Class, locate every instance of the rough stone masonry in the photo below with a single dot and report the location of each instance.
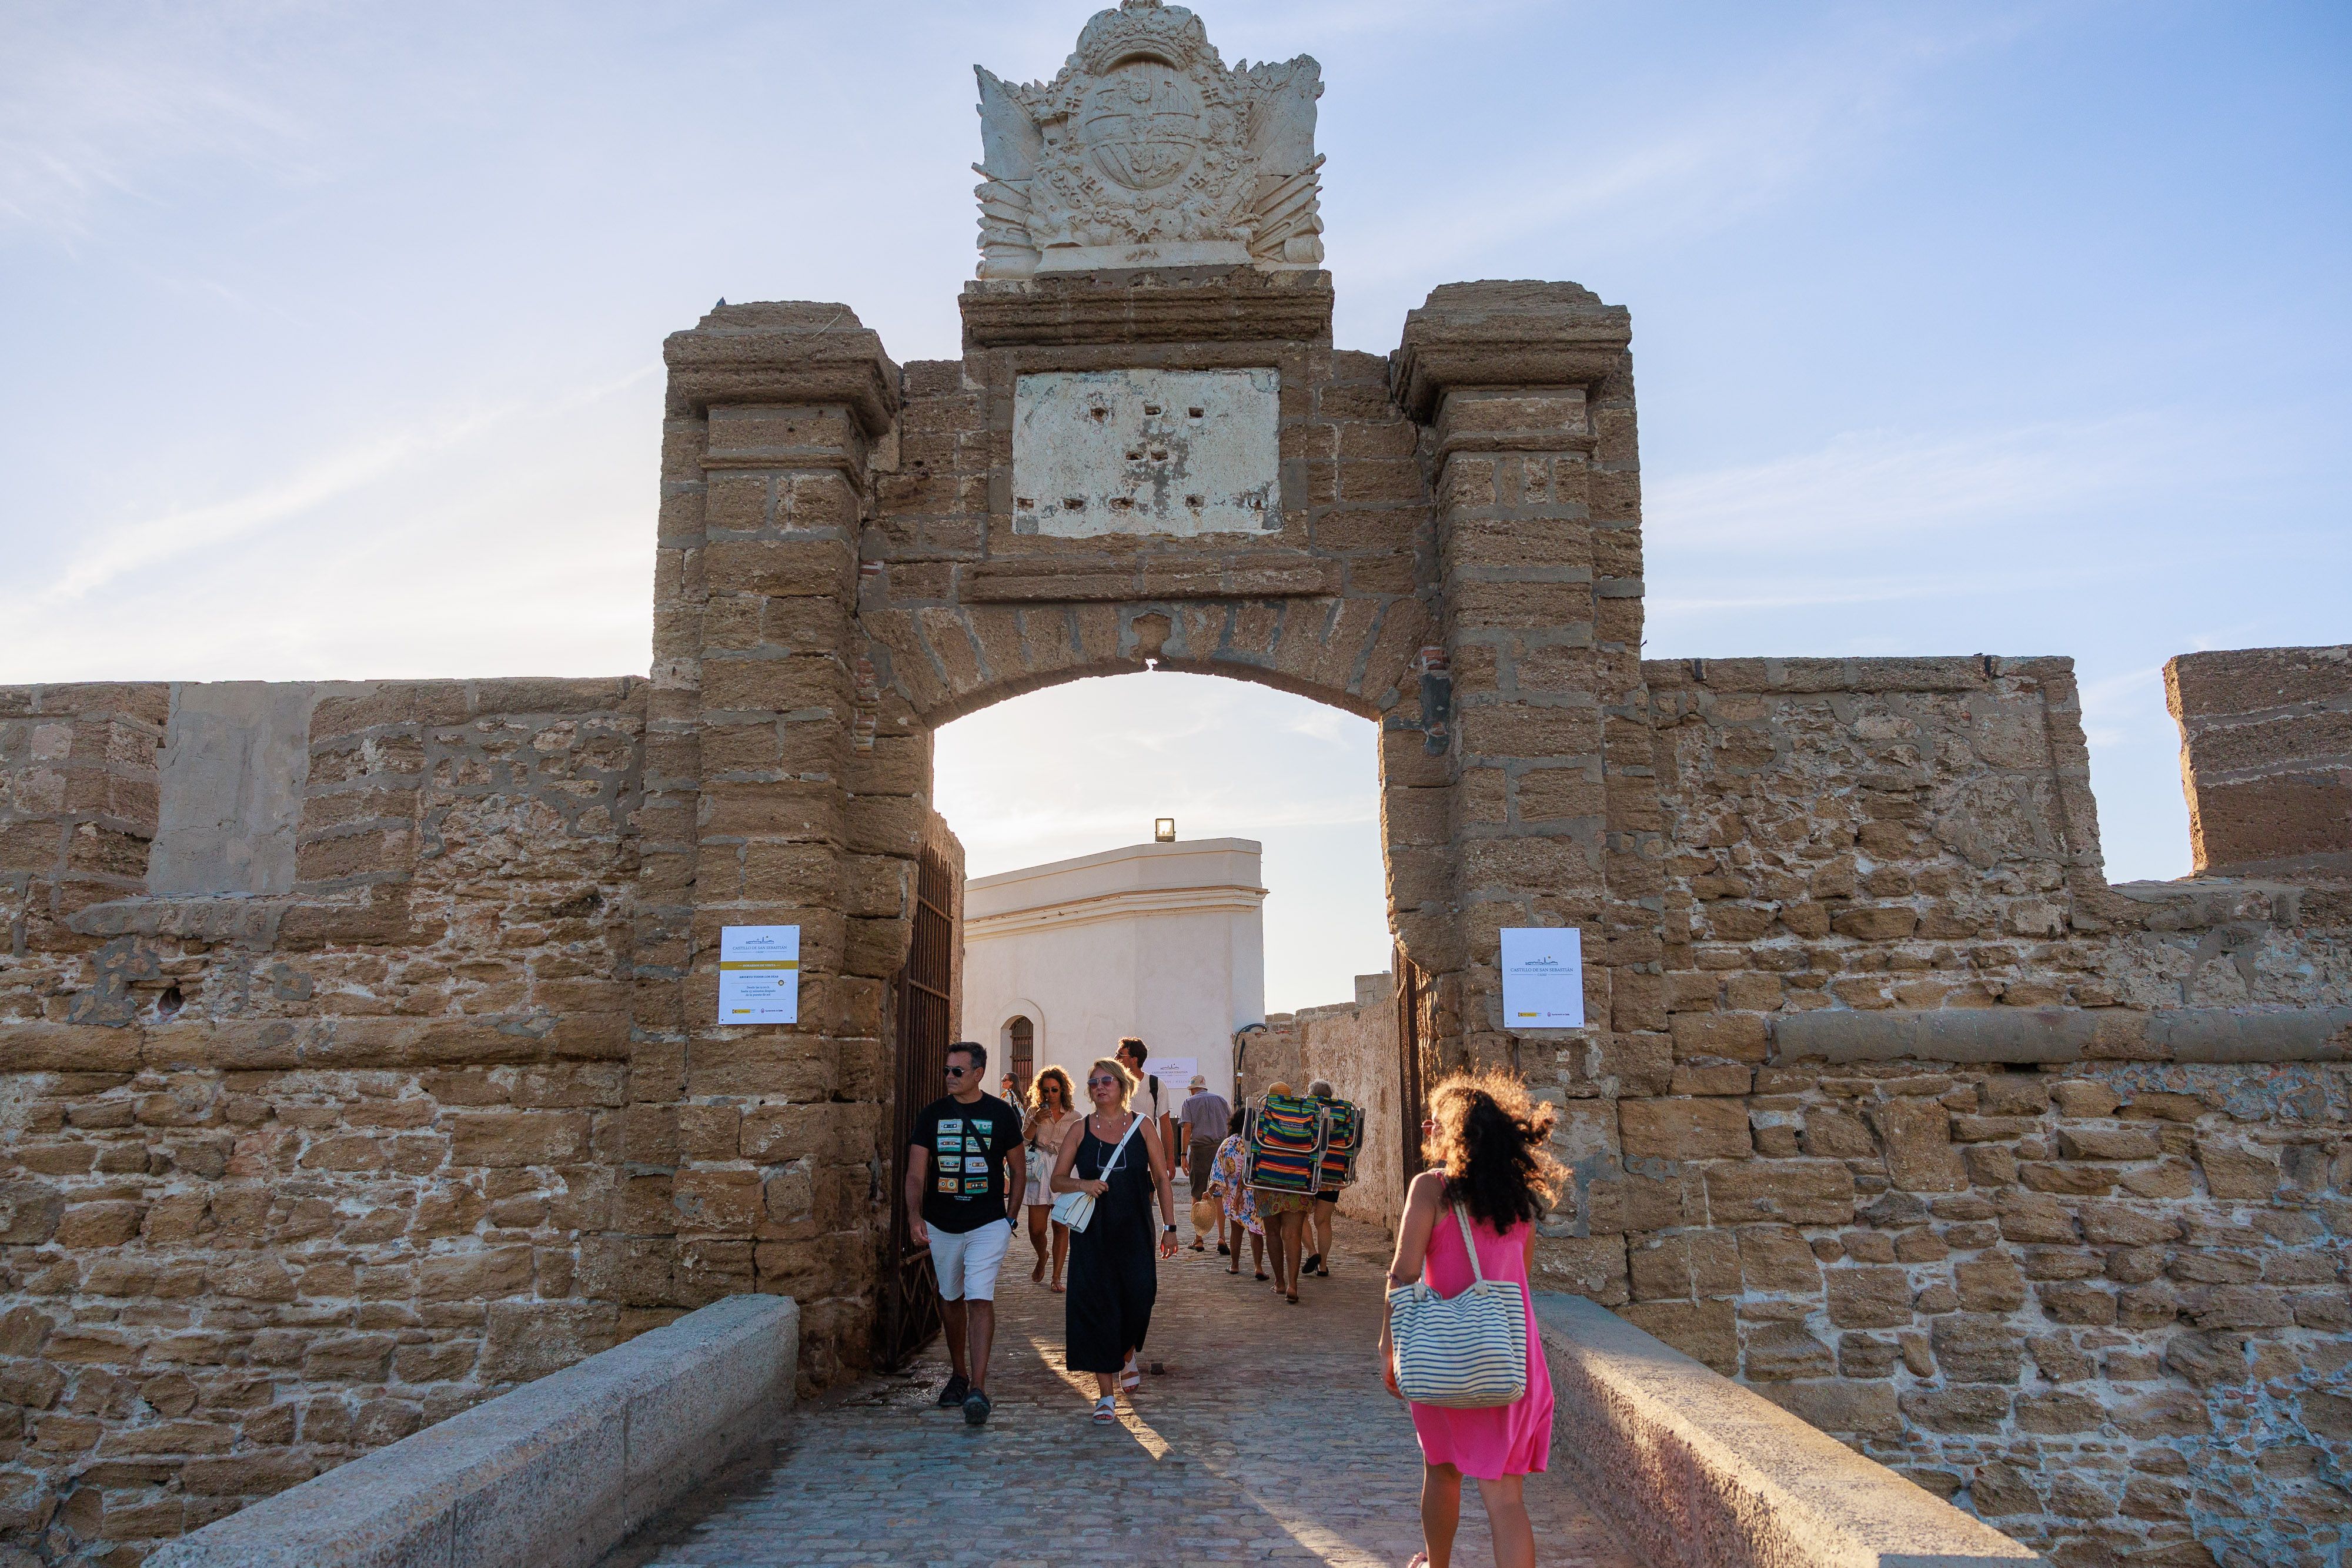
(358, 1052)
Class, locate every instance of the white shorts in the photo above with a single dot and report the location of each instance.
(967, 1263)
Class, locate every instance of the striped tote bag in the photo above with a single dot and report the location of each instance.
(1466, 1352)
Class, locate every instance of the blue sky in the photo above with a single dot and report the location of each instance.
(330, 337)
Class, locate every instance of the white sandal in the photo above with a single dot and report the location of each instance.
(1106, 1410)
(1130, 1376)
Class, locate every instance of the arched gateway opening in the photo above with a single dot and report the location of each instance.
(1265, 914)
(854, 553)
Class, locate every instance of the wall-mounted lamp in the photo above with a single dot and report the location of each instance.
(1163, 829)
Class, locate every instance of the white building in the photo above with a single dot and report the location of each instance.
(1164, 941)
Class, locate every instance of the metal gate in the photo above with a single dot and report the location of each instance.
(910, 1304)
(1415, 1022)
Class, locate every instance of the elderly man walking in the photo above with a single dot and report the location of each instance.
(1204, 1117)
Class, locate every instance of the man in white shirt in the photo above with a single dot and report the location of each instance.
(1152, 1098)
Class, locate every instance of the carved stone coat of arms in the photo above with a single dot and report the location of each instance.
(1145, 151)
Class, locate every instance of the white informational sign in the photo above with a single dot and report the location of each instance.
(759, 973)
(1174, 1073)
(1543, 976)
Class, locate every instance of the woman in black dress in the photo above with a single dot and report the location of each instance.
(1112, 1278)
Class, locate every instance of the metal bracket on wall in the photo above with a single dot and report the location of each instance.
(1436, 701)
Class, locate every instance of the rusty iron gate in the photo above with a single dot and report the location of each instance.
(1415, 1022)
(910, 1304)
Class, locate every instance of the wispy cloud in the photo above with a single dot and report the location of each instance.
(1881, 483)
(89, 113)
(1686, 164)
(2127, 706)
(370, 460)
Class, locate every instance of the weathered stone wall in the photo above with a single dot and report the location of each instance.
(2266, 758)
(288, 1176)
(1354, 1046)
(2031, 1186)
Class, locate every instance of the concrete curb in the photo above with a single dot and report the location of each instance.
(552, 1474)
(1697, 1470)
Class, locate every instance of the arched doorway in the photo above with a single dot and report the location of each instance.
(1449, 547)
(1019, 1038)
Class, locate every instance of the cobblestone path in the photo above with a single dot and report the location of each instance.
(1269, 1437)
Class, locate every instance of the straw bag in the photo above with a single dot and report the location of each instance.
(1466, 1353)
(1077, 1210)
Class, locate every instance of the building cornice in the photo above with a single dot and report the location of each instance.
(1130, 903)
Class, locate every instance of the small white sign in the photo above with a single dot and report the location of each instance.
(1174, 1073)
(759, 973)
(1543, 976)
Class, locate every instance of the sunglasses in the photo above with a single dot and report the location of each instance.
(1102, 1082)
(959, 1071)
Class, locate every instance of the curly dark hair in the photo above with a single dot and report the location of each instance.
(1489, 1141)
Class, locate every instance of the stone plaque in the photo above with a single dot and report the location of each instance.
(1146, 452)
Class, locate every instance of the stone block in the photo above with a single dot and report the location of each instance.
(1875, 923)
(1796, 1192)
(518, 1138)
(1971, 1407)
(1704, 1331)
(2236, 1171)
(1775, 1258)
(1837, 1135)
(2089, 1305)
(1975, 1347)
(1683, 1265)
(2109, 1143)
(1691, 1129)
(1592, 1266)
(1991, 1284)
(1868, 1297)
(2171, 1413)
(1735, 1036)
(2013, 1094)
(1783, 1351)
(29, 1212)
(1918, 1138)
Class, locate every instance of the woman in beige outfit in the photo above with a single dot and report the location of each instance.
(1052, 1115)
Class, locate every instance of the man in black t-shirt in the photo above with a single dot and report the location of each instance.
(965, 1175)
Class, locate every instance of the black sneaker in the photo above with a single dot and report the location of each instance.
(975, 1408)
(1312, 1264)
(1223, 1251)
(953, 1394)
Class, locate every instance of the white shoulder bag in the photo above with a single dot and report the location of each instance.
(1077, 1210)
(1466, 1353)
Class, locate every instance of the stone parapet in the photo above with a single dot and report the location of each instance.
(1695, 1470)
(549, 1476)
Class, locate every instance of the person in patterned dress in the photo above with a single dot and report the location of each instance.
(1239, 1199)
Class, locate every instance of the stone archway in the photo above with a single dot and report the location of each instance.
(1451, 549)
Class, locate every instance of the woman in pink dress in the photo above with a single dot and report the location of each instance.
(1484, 1145)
